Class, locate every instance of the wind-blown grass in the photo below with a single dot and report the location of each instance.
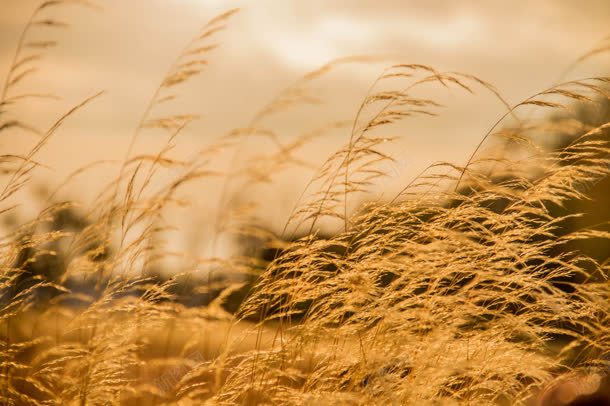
(464, 288)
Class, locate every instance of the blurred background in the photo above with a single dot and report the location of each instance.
(125, 48)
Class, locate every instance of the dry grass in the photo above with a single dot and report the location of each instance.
(465, 288)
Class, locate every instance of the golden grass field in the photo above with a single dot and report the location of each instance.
(481, 282)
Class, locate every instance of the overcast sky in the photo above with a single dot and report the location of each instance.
(126, 46)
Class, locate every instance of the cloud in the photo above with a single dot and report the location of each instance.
(520, 46)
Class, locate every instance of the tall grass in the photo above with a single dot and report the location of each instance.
(464, 288)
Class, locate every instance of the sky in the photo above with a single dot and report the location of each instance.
(124, 47)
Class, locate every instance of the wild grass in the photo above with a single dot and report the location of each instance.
(464, 288)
